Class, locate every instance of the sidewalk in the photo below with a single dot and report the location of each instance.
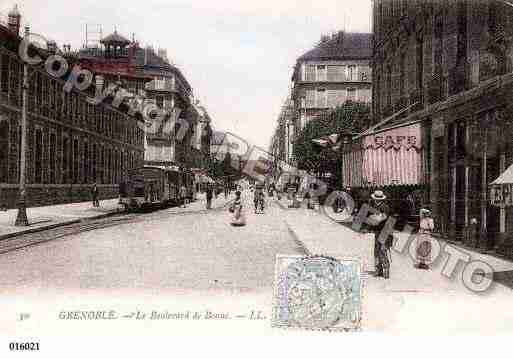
(411, 300)
(319, 234)
(41, 218)
(48, 217)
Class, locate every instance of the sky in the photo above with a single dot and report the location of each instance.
(238, 55)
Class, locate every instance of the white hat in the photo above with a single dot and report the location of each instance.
(378, 195)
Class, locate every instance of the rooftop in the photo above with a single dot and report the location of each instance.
(341, 46)
(116, 39)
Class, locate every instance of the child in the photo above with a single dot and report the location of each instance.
(426, 227)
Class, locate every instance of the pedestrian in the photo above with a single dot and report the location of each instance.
(423, 247)
(226, 192)
(238, 219)
(183, 195)
(381, 260)
(94, 193)
(3, 204)
(209, 196)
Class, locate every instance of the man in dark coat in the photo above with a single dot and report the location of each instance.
(94, 193)
(382, 263)
(209, 195)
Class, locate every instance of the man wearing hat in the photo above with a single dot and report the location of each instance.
(378, 221)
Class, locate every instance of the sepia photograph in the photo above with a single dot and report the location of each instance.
(334, 170)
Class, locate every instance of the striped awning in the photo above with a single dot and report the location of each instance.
(387, 158)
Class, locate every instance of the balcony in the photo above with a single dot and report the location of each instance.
(435, 89)
(457, 79)
(166, 85)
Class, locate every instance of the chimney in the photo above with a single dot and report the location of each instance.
(14, 20)
(147, 51)
(163, 54)
(51, 46)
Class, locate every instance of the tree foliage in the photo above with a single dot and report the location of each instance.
(351, 117)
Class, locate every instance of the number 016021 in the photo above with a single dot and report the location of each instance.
(28, 346)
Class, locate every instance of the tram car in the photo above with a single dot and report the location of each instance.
(153, 187)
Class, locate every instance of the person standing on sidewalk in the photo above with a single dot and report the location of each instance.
(183, 195)
(94, 193)
(423, 251)
(381, 261)
(209, 195)
(226, 191)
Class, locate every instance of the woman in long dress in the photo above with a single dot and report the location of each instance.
(238, 219)
(423, 250)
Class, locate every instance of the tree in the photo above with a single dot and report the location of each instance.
(351, 117)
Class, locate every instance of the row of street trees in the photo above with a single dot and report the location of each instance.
(351, 117)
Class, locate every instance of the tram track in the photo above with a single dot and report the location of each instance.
(86, 225)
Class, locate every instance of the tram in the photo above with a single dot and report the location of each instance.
(154, 187)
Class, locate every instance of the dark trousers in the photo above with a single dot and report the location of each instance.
(381, 260)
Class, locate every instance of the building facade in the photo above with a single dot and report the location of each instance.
(70, 143)
(337, 70)
(443, 79)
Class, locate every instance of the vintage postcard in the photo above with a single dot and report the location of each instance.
(313, 169)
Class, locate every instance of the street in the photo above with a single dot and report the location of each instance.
(195, 253)
(172, 262)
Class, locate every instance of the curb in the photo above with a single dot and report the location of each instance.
(79, 220)
(298, 241)
(55, 225)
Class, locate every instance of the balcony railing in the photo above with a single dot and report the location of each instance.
(457, 79)
(435, 89)
(161, 85)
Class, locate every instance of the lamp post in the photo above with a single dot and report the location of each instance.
(21, 218)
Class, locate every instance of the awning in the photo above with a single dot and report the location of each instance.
(505, 178)
(501, 190)
(386, 158)
(205, 179)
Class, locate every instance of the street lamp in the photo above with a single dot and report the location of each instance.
(21, 218)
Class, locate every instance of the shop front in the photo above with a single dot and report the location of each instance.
(392, 159)
(471, 149)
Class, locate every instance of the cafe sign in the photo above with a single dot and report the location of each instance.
(502, 195)
(404, 137)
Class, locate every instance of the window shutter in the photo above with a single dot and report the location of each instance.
(332, 98)
(321, 98)
(310, 98)
(310, 73)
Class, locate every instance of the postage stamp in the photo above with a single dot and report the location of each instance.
(317, 292)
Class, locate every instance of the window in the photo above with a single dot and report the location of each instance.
(420, 65)
(160, 101)
(321, 98)
(321, 73)
(462, 32)
(351, 73)
(310, 73)
(93, 165)
(159, 83)
(109, 166)
(38, 157)
(310, 98)
(336, 73)
(66, 171)
(4, 73)
(389, 85)
(76, 161)
(4, 151)
(351, 94)
(52, 163)
(402, 77)
(86, 162)
(101, 171)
